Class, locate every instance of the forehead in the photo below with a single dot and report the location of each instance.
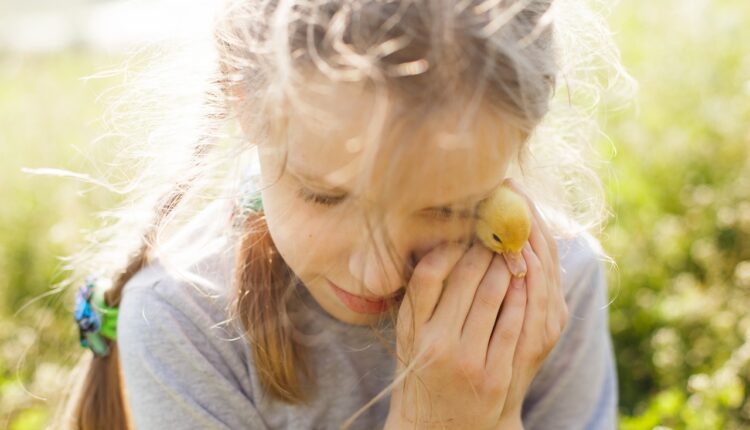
(346, 137)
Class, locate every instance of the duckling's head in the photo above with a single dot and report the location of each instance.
(504, 225)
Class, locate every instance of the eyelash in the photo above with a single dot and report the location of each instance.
(320, 198)
(441, 213)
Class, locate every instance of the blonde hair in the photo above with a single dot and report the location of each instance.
(188, 157)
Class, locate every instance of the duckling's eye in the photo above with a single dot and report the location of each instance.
(494, 236)
(320, 199)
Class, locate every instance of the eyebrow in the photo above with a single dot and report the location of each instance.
(306, 177)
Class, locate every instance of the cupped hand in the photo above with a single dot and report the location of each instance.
(460, 351)
(474, 336)
(546, 312)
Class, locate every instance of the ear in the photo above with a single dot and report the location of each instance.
(272, 144)
(236, 99)
(232, 86)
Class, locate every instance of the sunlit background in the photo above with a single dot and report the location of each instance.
(679, 184)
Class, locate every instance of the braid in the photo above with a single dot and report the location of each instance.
(260, 276)
(100, 402)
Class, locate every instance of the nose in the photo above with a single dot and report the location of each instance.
(380, 273)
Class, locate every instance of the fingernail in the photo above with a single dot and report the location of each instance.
(517, 282)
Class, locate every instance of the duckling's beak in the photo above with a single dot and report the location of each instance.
(516, 263)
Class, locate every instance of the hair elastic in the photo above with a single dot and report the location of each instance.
(254, 204)
(95, 319)
(250, 197)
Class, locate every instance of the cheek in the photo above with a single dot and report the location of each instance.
(438, 231)
(306, 237)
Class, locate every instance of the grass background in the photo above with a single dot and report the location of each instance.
(679, 184)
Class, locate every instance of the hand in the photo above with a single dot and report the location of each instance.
(459, 350)
(546, 311)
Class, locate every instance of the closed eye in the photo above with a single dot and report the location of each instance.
(441, 213)
(320, 199)
(446, 212)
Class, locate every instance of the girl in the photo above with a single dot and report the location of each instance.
(341, 286)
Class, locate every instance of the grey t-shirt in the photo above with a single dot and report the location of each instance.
(185, 367)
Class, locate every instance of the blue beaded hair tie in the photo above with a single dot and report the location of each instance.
(95, 319)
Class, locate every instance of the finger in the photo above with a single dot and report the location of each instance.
(547, 280)
(539, 244)
(507, 329)
(426, 283)
(561, 309)
(461, 287)
(535, 323)
(554, 309)
(479, 324)
(550, 259)
(547, 254)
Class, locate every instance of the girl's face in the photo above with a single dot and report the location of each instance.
(315, 210)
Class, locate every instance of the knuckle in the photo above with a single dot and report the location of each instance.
(435, 351)
(554, 332)
(498, 384)
(490, 297)
(507, 335)
(427, 274)
(564, 314)
(531, 349)
(471, 368)
(540, 348)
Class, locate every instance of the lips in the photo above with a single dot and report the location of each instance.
(358, 303)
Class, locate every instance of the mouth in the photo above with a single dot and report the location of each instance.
(361, 304)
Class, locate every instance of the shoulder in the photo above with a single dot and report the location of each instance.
(184, 363)
(155, 287)
(200, 295)
(166, 323)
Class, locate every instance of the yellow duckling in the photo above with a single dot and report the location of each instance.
(504, 226)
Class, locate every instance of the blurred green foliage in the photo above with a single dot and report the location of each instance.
(680, 190)
(679, 184)
(48, 116)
